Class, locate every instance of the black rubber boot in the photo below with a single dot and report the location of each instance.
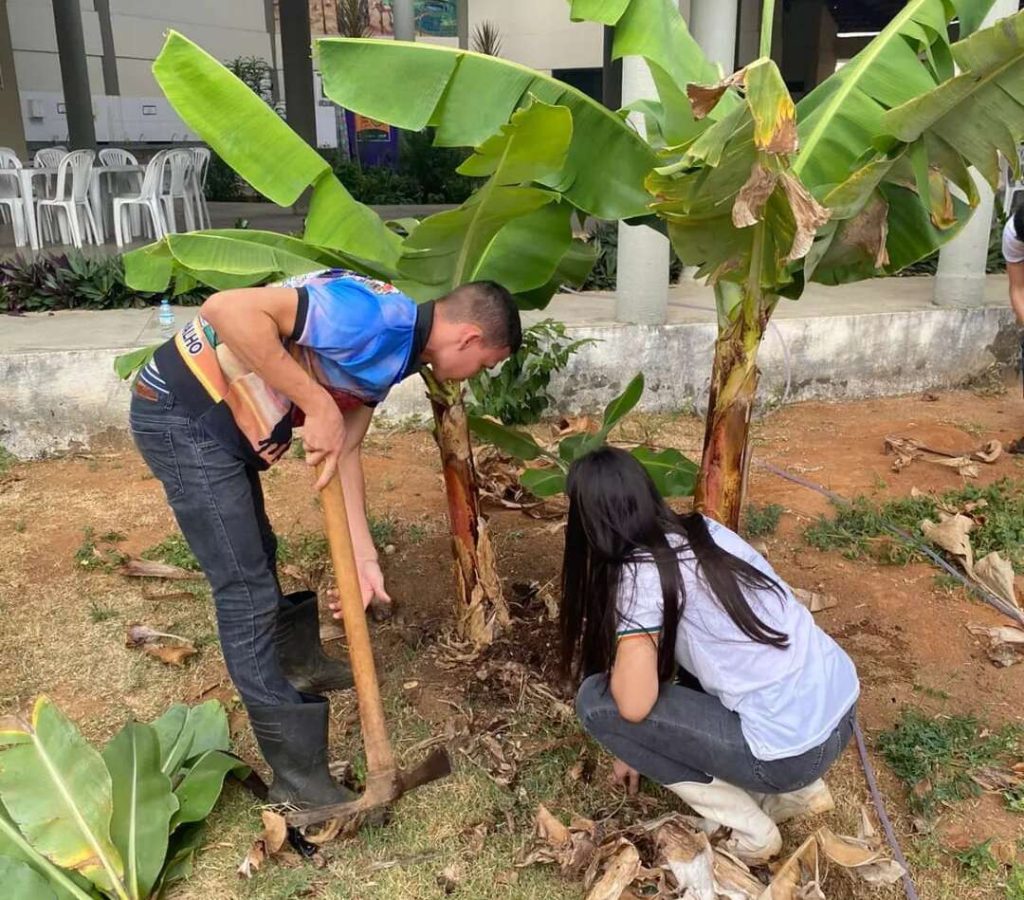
(299, 651)
(293, 740)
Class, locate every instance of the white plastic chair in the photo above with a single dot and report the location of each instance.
(49, 157)
(11, 202)
(178, 187)
(200, 165)
(114, 156)
(74, 173)
(121, 185)
(1011, 187)
(148, 199)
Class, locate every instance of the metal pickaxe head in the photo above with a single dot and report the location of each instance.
(382, 788)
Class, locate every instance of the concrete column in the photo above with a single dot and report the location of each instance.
(296, 49)
(12, 128)
(405, 20)
(111, 84)
(748, 40)
(462, 21)
(713, 24)
(641, 293)
(684, 11)
(74, 74)
(960, 279)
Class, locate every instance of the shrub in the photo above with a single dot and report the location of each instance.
(602, 277)
(518, 393)
(74, 281)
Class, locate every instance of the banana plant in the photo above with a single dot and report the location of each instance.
(861, 178)
(672, 473)
(123, 823)
(516, 228)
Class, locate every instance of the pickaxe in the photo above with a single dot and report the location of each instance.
(385, 782)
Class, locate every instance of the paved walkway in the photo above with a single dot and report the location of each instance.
(111, 329)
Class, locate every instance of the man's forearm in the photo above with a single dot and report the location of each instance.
(350, 468)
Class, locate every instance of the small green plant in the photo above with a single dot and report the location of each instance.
(1015, 884)
(977, 860)
(517, 394)
(935, 757)
(382, 530)
(298, 450)
(20, 526)
(7, 459)
(762, 521)
(175, 551)
(672, 473)
(98, 613)
(415, 533)
(99, 552)
(129, 818)
(948, 584)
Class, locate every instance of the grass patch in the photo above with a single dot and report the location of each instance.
(98, 613)
(99, 552)
(860, 528)
(382, 530)
(307, 550)
(7, 459)
(977, 860)
(175, 551)
(761, 521)
(935, 757)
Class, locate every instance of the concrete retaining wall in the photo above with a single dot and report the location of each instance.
(54, 401)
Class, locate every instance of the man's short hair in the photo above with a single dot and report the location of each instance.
(489, 305)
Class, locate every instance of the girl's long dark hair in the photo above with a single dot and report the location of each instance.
(615, 516)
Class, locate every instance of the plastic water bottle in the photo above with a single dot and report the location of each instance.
(166, 319)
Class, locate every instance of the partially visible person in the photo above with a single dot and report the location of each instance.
(699, 669)
(1013, 253)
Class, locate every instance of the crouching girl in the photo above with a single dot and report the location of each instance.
(699, 669)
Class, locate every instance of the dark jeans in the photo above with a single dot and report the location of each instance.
(218, 502)
(690, 736)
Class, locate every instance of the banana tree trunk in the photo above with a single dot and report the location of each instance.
(721, 483)
(480, 612)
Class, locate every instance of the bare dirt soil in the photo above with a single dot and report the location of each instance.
(63, 624)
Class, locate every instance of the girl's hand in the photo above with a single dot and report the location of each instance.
(627, 776)
(371, 581)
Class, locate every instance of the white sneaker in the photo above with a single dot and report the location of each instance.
(755, 837)
(808, 801)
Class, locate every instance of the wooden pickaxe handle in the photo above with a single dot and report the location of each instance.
(380, 759)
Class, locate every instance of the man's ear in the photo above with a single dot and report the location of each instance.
(469, 335)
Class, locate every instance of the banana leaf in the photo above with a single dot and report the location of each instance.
(980, 112)
(184, 844)
(200, 789)
(253, 139)
(174, 738)
(655, 31)
(469, 96)
(57, 790)
(22, 882)
(143, 805)
(672, 473)
(209, 724)
(451, 248)
(14, 848)
(841, 119)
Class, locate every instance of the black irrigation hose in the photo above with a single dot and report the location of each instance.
(1005, 608)
(876, 798)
